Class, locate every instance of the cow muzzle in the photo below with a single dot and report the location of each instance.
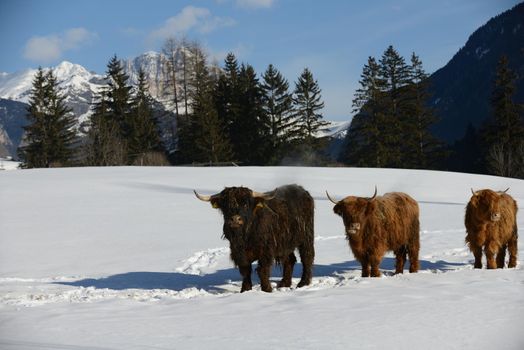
(495, 217)
(353, 228)
(236, 221)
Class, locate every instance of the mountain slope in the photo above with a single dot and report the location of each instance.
(462, 88)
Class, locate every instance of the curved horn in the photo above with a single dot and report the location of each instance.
(473, 192)
(506, 190)
(374, 194)
(202, 197)
(331, 199)
(262, 195)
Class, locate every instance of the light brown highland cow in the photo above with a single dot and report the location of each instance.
(491, 223)
(379, 224)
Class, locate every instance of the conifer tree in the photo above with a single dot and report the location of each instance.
(119, 95)
(395, 73)
(105, 146)
(307, 105)
(365, 145)
(420, 148)
(248, 132)
(50, 137)
(144, 137)
(210, 141)
(503, 133)
(278, 109)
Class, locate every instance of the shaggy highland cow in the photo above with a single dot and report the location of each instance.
(379, 224)
(268, 227)
(491, 223)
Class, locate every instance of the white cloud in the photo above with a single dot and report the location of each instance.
(45, 49)
(190, 18)
(255, 3)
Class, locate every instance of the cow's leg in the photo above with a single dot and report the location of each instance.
(490, 249)
(413, 250)
(477, 253)
(263, 270)
(512, 249)
(374, 261)
(307, 255)
(400, 256)
(501, 256)
(245, 271)
(365, 266)
(288, 263)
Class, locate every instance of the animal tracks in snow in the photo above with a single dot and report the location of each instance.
(197, 276)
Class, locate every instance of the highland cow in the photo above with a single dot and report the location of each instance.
(379, 224)
(268, 227)
(491, 223)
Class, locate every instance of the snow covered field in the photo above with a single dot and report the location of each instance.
(128, 258)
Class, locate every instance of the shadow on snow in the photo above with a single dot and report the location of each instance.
(211, 282)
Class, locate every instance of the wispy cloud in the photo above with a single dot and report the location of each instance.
(190, 18)
(45, 49)
(254, 4)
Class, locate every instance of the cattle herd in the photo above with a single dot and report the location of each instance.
(268, 227)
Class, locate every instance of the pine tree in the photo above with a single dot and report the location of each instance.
(365, 145)
(420, 148)
(278, 108)
(105, 146)
(395, 73)
(248, 131)
(50, 137)
(119, 94)
(504, 133)
(144, 137)
(307, 106)
(211, 143)
(111, 122)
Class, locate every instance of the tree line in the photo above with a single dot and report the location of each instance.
(215, 115)
(228, 114)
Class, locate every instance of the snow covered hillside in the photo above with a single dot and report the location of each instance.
(128, 258)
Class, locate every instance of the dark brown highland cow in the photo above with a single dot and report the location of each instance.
(491, 223)
(268, 227)
(379, 224)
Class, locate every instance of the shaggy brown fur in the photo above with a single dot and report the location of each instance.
(268, 230)
(377, 225)
(491, 223)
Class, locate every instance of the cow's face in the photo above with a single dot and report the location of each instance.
(238, 205)
(353, 211)
(486, 204)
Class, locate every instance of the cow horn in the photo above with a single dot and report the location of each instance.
(202, 197)
(374, 194)
(506, 190)
(331, 199)
(473, 192)
(262, 195)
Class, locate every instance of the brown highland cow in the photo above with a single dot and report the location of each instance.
(491, 223)
(379, 224)
(268, 227)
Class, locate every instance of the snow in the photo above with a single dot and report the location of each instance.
(128, 258)
(336, 129)
(8, 164)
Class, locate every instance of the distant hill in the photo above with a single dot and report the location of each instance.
(462, 88)
(12, 119)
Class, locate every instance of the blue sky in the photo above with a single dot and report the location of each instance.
(332, 38)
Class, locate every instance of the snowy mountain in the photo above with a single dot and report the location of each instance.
(128, 258)
(77, 84)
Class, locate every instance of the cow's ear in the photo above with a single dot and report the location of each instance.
(370, 208)
(259, 202)
(214, 203)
